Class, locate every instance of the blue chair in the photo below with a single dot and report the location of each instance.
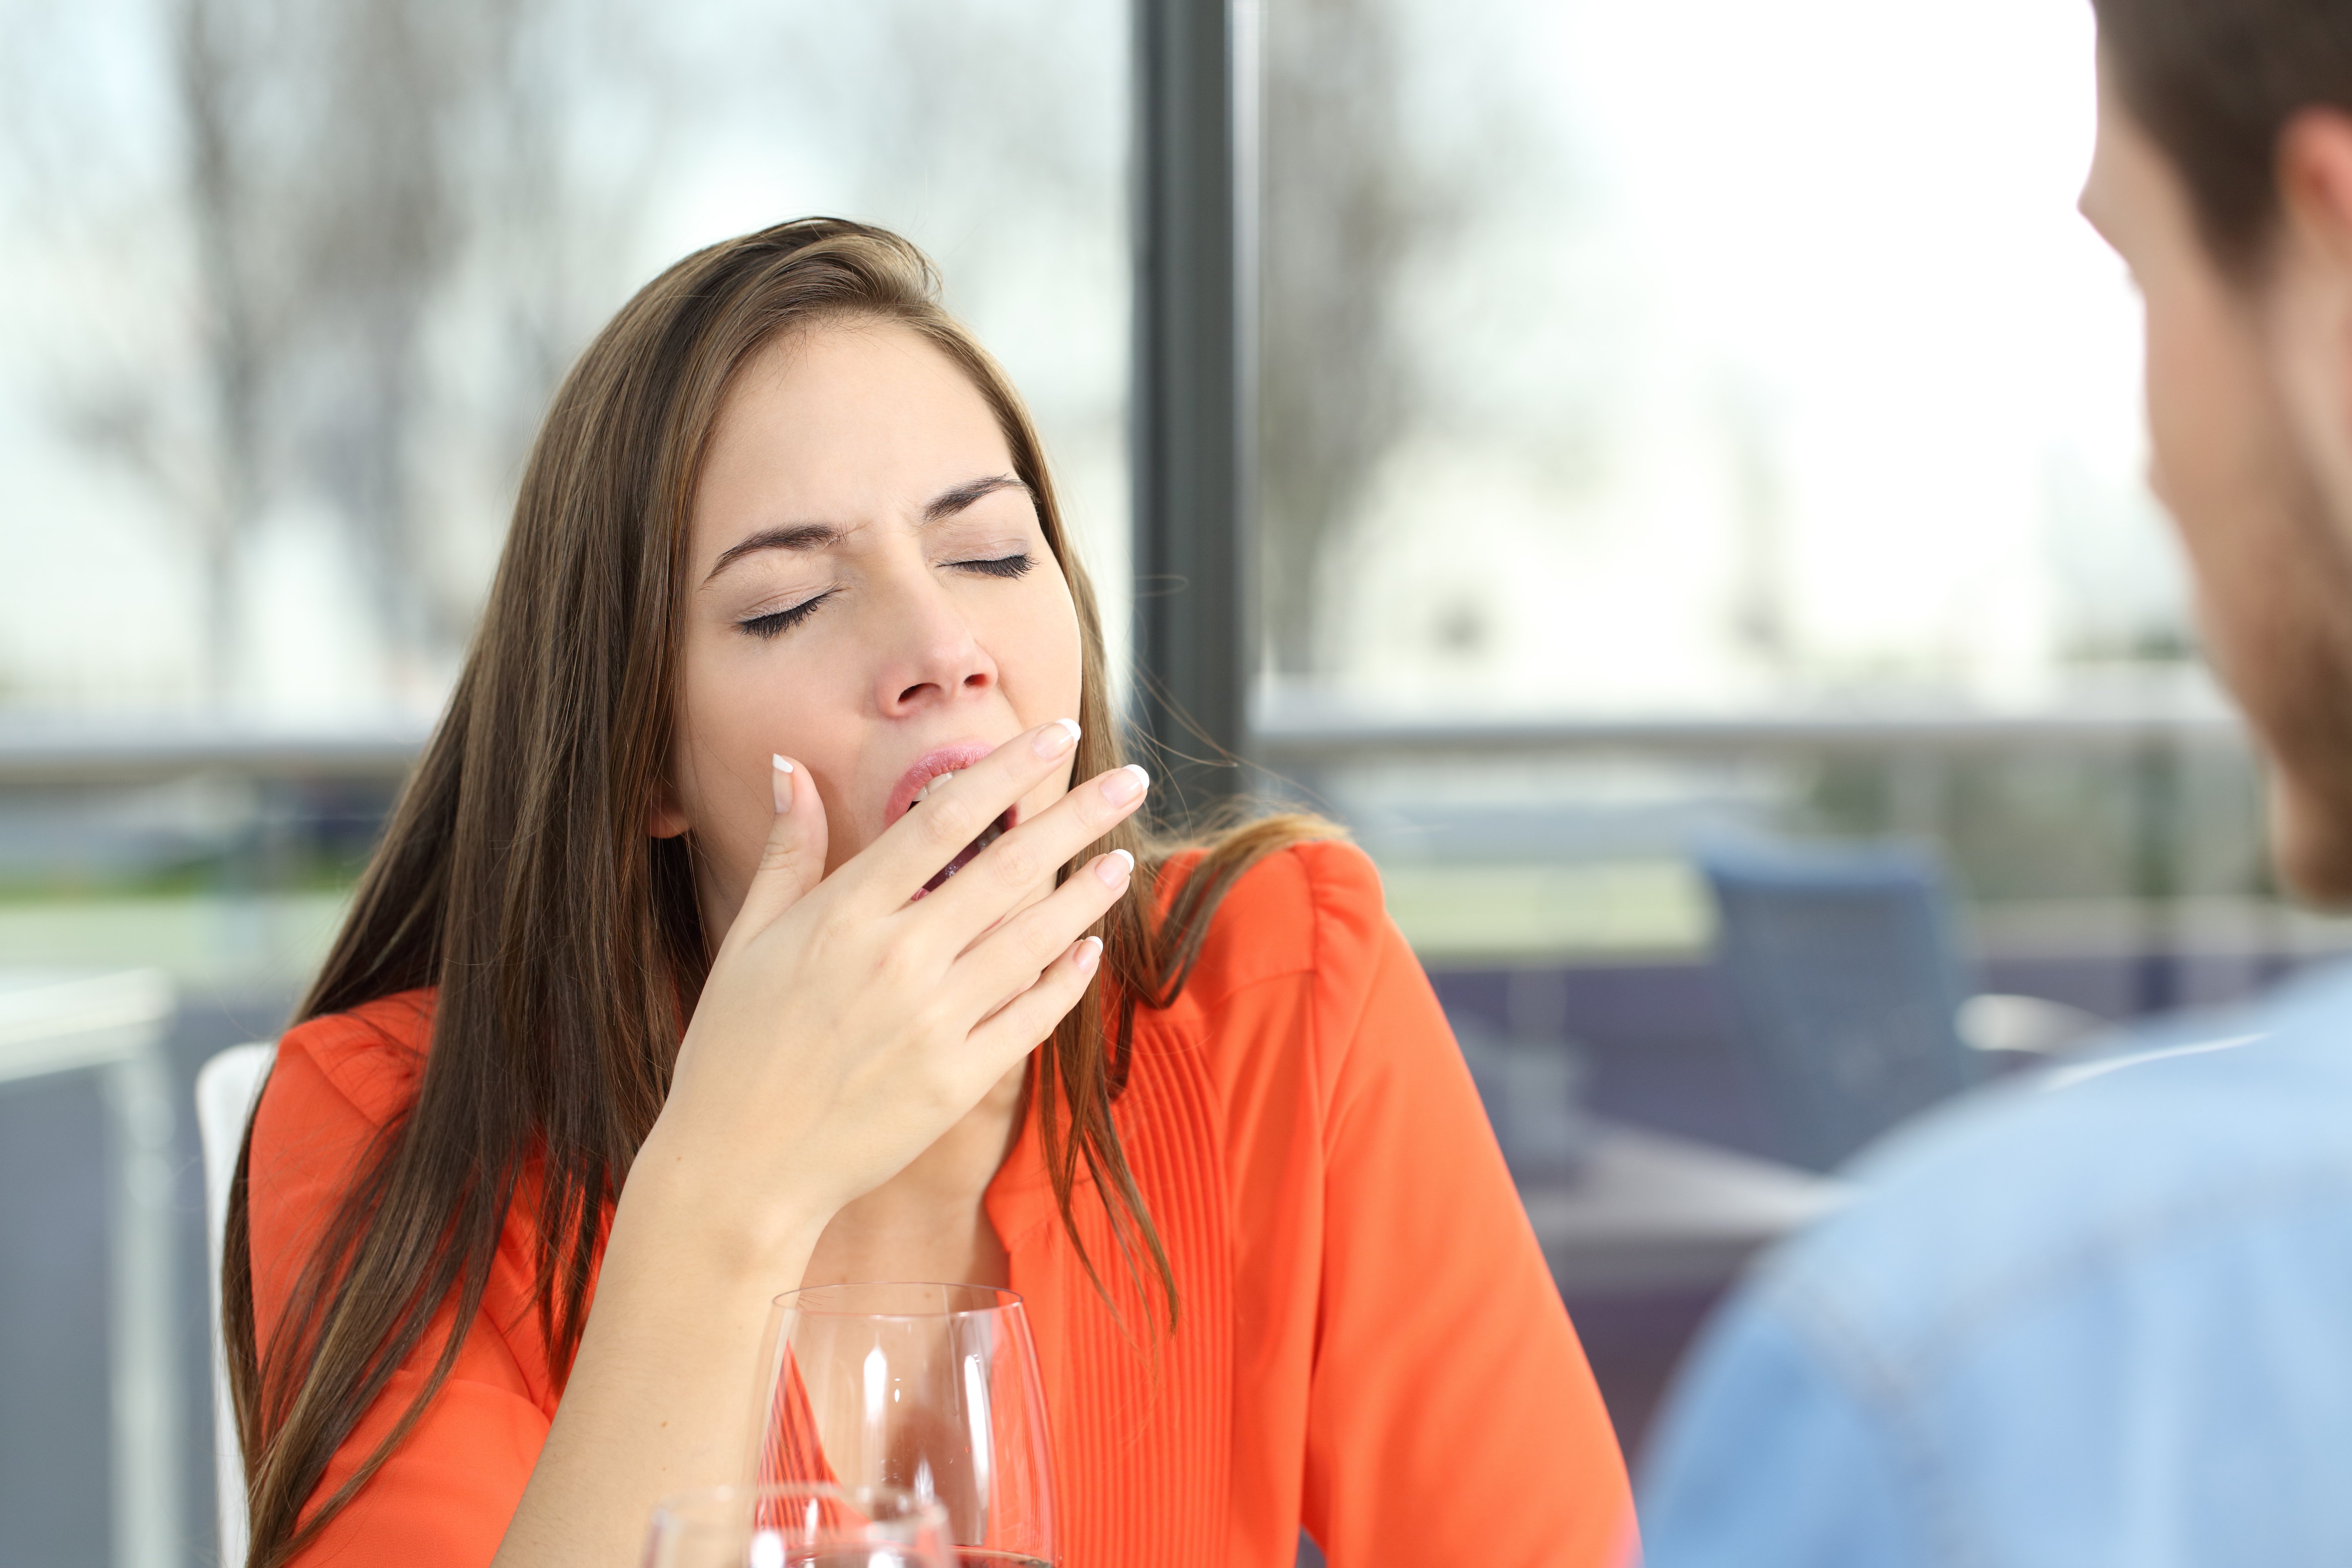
(1844, 975)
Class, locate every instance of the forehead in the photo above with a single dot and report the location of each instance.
(843, 421)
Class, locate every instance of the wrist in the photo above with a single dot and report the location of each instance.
(669, 1207)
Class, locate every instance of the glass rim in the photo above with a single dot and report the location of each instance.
(912, 1510)
(810, 1300)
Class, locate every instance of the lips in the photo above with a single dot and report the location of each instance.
(932, 773)
(969, 853)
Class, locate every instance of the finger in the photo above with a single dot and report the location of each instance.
(1012, 866)
(792, 862)
(1016, 1027)
(1012, 956)
(911, 851)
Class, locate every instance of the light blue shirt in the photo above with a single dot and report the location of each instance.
(2099, 1316)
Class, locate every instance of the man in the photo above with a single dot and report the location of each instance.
(2106, 1317)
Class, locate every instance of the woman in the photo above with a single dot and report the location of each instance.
(658, 1000)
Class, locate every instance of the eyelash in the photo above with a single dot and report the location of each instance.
(776, 623)
(1016, 564)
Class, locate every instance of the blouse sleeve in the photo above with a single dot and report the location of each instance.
(1451, 1410)
(445, 1495)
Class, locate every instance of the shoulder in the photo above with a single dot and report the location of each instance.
(2080, 1287)
(337, 1084)
(1303, 988)
(2156, 1160)
(366, 1063)
(1306, 909)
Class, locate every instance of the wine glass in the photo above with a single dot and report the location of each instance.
(798, 1526)
(931, 1388)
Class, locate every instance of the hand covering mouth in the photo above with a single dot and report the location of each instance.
(925, 779)
(969, 852)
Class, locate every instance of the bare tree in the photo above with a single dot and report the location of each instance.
(331, 157)
(214, 52)
(401, 218)
(1345, 209)
(378, 221)
(351, 179)
(323, 161)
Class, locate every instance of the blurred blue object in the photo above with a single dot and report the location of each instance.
(1844, 980)
(2093, 1316)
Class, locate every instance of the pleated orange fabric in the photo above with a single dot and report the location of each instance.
(1370, 1344)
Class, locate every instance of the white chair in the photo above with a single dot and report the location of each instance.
(226, 1091)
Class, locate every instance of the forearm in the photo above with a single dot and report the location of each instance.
(663, 1393)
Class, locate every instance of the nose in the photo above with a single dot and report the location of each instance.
(931, 655)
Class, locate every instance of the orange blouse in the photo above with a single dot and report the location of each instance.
(1369, 1344)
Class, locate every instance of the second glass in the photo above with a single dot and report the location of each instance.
(931, 1388)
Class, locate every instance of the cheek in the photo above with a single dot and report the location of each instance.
(738, 707)
(1041, 658)
(2270, 581)
(2183, 437)
(1038, 655)
(2214, 436)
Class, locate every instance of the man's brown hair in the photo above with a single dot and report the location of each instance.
(2214, 82)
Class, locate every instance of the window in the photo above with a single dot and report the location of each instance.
(289, 289)
(1708, 356)
(1725, 405)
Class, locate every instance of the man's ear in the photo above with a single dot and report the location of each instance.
(2315, 185)
(2314, 179)
(663, 817)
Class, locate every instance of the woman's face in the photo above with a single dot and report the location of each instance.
(869, 594)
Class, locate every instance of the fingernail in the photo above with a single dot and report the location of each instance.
(1089, 954)
(1056, 737)
(1115, 868)
(1124, 784)
(782, 777)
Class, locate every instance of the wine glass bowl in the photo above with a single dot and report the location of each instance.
(929, 1388)
(798, 1526)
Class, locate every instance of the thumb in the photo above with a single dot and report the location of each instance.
(792, 862)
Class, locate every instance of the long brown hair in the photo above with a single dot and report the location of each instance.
(566, 945)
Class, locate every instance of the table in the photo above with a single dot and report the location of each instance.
(113, 1024)
(1652, 1212)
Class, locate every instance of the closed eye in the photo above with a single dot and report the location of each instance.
(775, 623)
(1017, 564)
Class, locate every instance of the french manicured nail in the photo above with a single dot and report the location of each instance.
(1123, 784)
(1115, 868)
(782, 776)
(1056, 737)
(1089, 954)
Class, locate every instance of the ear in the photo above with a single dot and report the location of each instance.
(2314, 179)
(663, 817)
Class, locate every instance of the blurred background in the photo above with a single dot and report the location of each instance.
(1668, 428)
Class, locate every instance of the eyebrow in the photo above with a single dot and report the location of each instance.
(946, 503)
(806, 536)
